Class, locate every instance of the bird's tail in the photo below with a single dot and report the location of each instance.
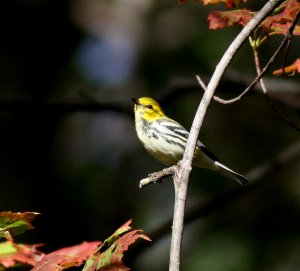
(227, 172)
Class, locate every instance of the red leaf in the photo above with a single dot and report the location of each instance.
(293, 68)
(229, 3)
(50, 263)
(111, 258)
(276, 24)
(209, 2)
(281, 22)
(221, 19)
(12, 253)
(120, 246)
(66, 257)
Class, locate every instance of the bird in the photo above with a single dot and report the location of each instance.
(165, 139)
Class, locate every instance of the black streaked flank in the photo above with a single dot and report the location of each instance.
(180, 131)
(177, 136)
(145, 126)
(173, 142)
(154, 135)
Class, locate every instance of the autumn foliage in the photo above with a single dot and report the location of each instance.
(94, 256)
(278, 23)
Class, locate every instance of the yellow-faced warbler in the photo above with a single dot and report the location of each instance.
(165, 139)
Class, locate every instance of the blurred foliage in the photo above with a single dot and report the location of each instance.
(86, 165)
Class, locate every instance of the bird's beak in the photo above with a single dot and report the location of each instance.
(135, 101)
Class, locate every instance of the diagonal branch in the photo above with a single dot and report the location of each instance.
(258, 77)
(290, 35)
(181, 178)
(269, 99)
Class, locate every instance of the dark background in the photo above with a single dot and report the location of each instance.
(79, 166)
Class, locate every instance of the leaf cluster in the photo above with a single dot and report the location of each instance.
(278, 23)
(94, 255)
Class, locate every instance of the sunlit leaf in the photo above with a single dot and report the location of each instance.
(229, 3)
(276, 24)
(124, 228)
(108, 258)
(15, 223)
(12, 254)
(221, 19)
(293, 68)
(66, 257)
(282, 29)
(288, 12)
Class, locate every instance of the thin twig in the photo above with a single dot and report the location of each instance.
(157, 177)
(201, 83)
(284, 91)
(258, 77)
(285, 41)
(269, 99)
(290, 35)
(181, 178)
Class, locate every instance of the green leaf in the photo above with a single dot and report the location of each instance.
(12, 254)
(109, 255)
(15, 223)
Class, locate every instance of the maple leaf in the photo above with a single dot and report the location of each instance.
(221, 19)
(66, 257)
(110, 240)
(276, 24)
(293, 68)
(229, 3)
(109, 256)
(12, 254)
(281, 22)
(15, 223)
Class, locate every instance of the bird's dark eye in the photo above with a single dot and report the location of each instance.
(149, 106)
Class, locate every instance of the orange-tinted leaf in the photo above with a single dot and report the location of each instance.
(12, 254)
(229, 3)
(295, 67)
(66, 257)
(210, 2)
(276, 24)
(281, 22)
(221, 19)
(110, 259)
(290, 9)
(15, 223)
(282, 29)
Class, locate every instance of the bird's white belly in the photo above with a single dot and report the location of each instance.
(164, 152)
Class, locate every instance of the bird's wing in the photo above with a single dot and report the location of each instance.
(182, 133)
(174, 129)
(206, 151)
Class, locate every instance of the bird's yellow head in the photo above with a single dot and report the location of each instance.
(147, 108)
